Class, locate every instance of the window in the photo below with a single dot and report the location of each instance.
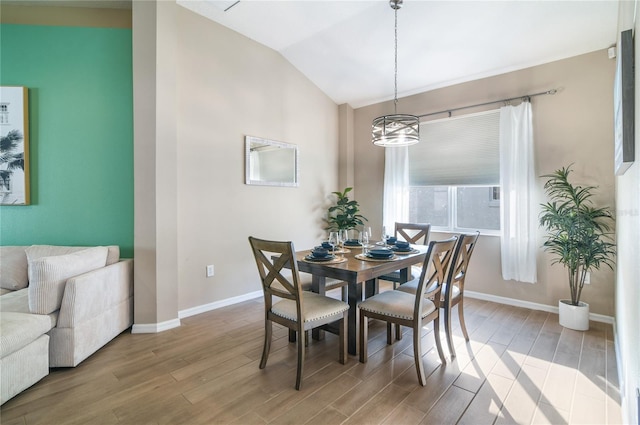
(454, 174)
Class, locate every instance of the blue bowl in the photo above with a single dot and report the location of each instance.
(327, 245)
(391, 240)
(402, 244)
(319, 253)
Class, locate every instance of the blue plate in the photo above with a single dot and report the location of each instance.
(396, 249)
(380, 253)
(352, 242)
(379, 257)
(326, 258)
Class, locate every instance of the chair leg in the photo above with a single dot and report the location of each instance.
(436, 334)
(461, 316)
(363, 337)
(389, 333)
(447, 330)
(306, 338)
(343, 337)
(267, 343)
(417, 356)
(345, 295)
(292, 335)
(398, 333)
(301, 346)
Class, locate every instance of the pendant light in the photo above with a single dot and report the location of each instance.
(397, 129)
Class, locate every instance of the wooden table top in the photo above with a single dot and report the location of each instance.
(356, 270)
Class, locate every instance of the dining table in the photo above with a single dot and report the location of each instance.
(360, 273)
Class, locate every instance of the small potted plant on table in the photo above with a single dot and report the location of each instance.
(577, 236)
(345, 214)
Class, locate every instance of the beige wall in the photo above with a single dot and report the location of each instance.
(228, 87)
(628, 270)
(573, 126)
(65, 16)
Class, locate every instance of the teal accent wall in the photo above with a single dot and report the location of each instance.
(81, 135)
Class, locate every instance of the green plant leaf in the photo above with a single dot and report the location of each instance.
(344, 215)
(576, 231)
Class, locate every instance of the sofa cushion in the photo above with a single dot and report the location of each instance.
(38, 251)
(15, 301)
(13, 267)
(13, 262)
(18, 302)
(17, 330)
(48, 275)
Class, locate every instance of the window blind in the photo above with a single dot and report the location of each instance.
(457, 151)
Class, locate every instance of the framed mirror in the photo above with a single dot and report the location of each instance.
(270, 163)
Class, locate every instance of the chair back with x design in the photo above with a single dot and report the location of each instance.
(414, 233)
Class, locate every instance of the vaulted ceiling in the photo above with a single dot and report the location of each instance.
(347, 47)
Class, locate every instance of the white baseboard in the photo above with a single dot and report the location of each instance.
(218, 304)
(152, 328)
(148, 328)
(530, 305)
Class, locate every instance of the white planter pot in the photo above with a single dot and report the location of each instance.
(574, 317)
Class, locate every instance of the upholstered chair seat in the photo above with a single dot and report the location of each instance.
(316, 308)
(396, 304)
(412, 286)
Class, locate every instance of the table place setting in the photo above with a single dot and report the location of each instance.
(377, 254)
(403, 248)
(322, 255)
(335, 249)
(352, 242)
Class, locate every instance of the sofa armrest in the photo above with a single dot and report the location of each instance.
(89, 294)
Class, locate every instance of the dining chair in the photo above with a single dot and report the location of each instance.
(297, 310)
(415, 234)
(453, 288)
(412, 310)
(330, 283)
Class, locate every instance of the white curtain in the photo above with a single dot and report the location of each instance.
(395, 204)
(518, 204)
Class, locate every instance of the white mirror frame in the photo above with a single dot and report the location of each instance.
(277, 166)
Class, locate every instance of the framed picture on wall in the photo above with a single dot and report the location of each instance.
(623, 104)
(14, 146)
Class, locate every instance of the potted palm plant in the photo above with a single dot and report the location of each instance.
(578, 238)
(345, 214)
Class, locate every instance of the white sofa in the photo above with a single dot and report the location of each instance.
(58, 305)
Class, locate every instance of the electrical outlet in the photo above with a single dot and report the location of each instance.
(587, 278)
(210, 270)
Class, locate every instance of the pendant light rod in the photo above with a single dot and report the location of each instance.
(396, 129)
(395, 5)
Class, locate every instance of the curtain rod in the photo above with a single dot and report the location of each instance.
(526, 96)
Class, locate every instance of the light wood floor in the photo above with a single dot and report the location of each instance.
(520, 366)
